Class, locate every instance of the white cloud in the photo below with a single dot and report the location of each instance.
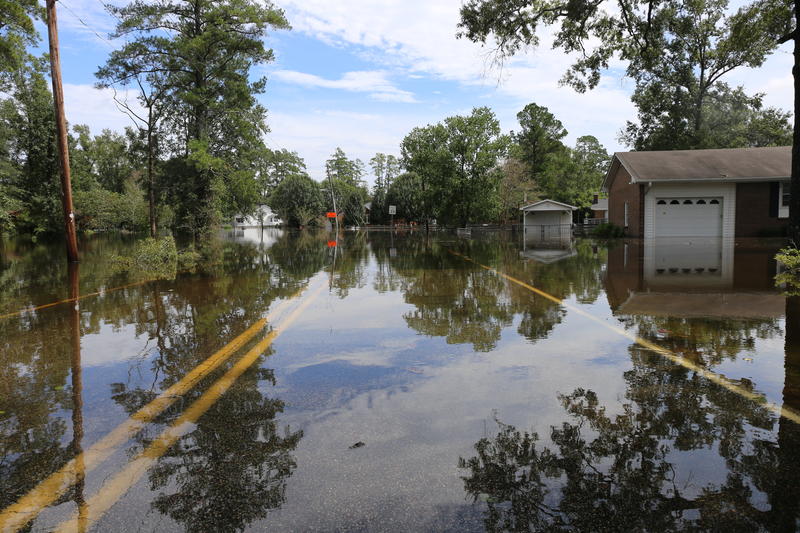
(84, 104)
(373, 82)
(315, 134)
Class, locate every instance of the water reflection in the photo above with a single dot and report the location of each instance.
(676, 451)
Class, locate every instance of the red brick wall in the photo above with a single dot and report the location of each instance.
(752, 212)
(622, 191)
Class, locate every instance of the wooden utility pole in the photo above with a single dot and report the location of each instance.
(61, 130)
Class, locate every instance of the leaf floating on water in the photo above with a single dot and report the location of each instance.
(358, 444)
(60, 387)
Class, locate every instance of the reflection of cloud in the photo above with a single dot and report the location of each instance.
(415, 430)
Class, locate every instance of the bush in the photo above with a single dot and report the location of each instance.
(151, 258)
(608, 231)
(789, 258)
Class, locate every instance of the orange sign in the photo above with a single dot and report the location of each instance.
(331, 244)
(331, 214)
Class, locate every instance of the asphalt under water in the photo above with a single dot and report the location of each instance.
(398, 382)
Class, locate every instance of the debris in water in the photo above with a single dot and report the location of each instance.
(415, 370)
(358, 444)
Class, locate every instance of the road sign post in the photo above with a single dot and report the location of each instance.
(392, 212)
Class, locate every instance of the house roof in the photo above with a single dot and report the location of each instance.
(726, 164)
(547, 205)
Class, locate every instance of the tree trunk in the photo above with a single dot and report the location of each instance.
(151, 195)
(794, 201)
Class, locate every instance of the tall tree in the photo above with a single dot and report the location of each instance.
(540, 135)
(150, 79)
(475, 147)
(205, 50)
(275, 166)
(339, 166)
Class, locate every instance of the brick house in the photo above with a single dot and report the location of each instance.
(736, 192)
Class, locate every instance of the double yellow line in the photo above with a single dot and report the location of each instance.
(16, 516)
(784, 411)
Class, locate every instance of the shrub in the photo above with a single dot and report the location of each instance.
(789, 278)
(150, 258)
(608, 231)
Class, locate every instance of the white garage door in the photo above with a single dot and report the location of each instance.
(688, 217)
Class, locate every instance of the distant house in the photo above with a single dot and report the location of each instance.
(547, 219)
(263, 216)
(738, 192)
(599, 207)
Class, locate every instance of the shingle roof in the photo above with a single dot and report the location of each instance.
(544, 203)
(739, 164)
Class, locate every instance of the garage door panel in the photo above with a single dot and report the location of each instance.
(688, 217)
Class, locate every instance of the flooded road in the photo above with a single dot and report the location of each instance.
(393, 382)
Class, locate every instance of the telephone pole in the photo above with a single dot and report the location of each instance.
(61, 131)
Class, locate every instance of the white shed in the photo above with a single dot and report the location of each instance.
(548, 218)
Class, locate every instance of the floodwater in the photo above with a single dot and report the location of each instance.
(401, 383)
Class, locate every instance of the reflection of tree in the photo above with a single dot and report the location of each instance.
(232, 469)
(629, 471)
(465, 303)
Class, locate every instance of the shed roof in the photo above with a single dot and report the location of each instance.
(725, 164)
(547, 205)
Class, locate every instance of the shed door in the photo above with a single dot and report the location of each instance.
(688, 217)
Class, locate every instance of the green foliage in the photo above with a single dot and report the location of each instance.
(274, 166)
(608, 231)
(539, 137)
(350, 199)
(298, 200)
(27, 131)
(456, 163)
(101, 209)
(150, 259)
(655, 39)
(405, 194)
(727, 118)
(789, 278)
(17, 31)
(342, 168)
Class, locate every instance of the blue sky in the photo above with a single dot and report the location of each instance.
(359, 74)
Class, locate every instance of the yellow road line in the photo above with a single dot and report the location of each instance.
(784, 411)
(69, 300)
(49, 490)
(116, 487)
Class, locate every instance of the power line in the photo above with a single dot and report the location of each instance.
(111, 44)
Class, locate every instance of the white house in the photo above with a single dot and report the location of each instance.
(547, 219)
(263, 216)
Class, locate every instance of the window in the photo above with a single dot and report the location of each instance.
(674, 202)
(687, 202)
(701, 202)
(626, 214)
(661, 202)
(785, 197)
(714, 202)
